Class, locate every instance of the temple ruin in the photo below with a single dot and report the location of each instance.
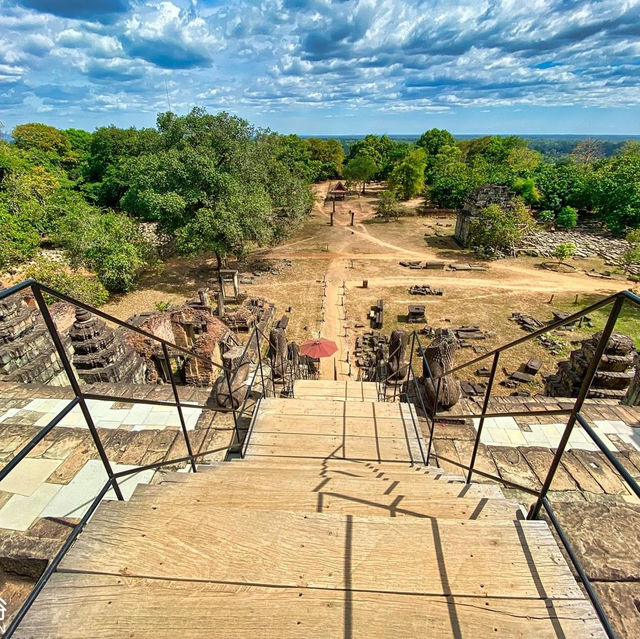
(614, 375)
(27, 353)
(100, 354)
(476, 202)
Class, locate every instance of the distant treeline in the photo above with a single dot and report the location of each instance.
(552, 146)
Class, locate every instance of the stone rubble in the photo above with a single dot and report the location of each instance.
(591, 240)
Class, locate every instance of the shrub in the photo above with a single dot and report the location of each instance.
(61, 278)
(567, 218)
(387, 205)
(19, 239)
(564, 251)
(496, 228)
(546, 217)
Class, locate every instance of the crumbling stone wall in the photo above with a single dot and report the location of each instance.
(614, 375)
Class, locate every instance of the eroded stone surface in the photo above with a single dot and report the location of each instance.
(605, 538)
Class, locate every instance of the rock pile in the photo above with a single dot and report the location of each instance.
(424, 289)
(368, 351)
(614, 375)
(528, 323)
(591, 240)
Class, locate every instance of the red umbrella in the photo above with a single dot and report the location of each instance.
(318, 348)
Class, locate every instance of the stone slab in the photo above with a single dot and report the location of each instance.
(29, 475)
(20, 511)
(74, 499)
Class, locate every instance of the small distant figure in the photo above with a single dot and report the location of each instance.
(352, 215)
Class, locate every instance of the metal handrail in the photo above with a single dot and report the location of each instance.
(617, 301)
(80, 399)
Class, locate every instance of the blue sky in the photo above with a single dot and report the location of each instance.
(326, 66)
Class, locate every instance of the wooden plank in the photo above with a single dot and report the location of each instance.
(475, 558)
(339, 484)
(330, 501)
(370, 448)
(147, 609)
(513, 467)
(338, 425)
(292, 407)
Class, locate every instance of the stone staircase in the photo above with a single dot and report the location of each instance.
(330, 527)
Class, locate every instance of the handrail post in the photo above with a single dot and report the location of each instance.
(176, 396)
(75, 386)
(485, 404)
(233, 410)
(263, 390)
(577, 406)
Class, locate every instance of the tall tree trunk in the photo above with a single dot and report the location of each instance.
(219, 260)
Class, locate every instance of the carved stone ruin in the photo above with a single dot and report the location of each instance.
(233, 360)
(27, 353)
(229, 286)
(476, 202)
(614, 374)
(440, 355)
(398, 365)
(278, 352)
(100, 354)
(632, 397)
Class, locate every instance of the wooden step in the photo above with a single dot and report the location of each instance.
(402, 555)
(372, 409)
(336, 390)
(324, 446)
(113, 606)
(339, 484)
(345, 465)
(395, 426)
(332, 502)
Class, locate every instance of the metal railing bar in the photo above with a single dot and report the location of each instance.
(424, 412)
(515, 413)
(38, 438)
(485, 404)
(73, 381)
(586, 582)
(153, 402)
(167, 462)
(247, 437)
(53, 564)
(414, 420)
(131, 327)
(582, 395)
(609, 455)
(545, 329)
(16, 288)
(165, 352)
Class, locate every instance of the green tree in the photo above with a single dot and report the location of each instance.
(326, 157)
(433, 140)
(567, 218)
(407, 179)
(616, 192)
(631, 255)
(501, 229)
(216, 184)
(361, 168)
(564, 251)
(387, 205)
